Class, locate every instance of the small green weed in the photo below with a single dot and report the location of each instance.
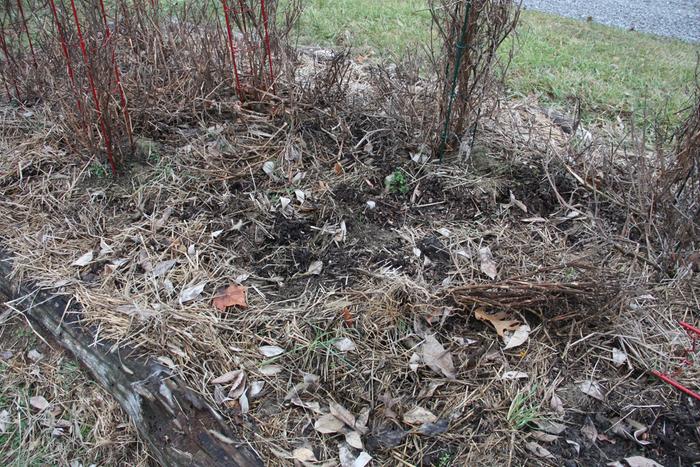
(523, 410)
(97, 170)
(445, 460)
(398, 183)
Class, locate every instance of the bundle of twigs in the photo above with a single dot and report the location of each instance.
(530, 293)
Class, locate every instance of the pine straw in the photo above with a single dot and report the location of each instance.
(203, 200)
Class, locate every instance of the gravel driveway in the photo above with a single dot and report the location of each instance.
(674, 18)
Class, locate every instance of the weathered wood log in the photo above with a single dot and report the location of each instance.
(177, 426)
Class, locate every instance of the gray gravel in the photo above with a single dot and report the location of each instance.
(673, 18)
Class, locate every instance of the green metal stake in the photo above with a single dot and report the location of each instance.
(458, 62)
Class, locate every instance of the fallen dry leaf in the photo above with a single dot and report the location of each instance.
(418, 415)
(192, 293)
(589, 431)
(576, 446)
(488, 265)
(313, 406)
(434, 429)
(328, 424)
(105, 248)
(270, 370)
(639, 461)
(304, 455)
(233, 295)
(354, 439)
(137, 311)
(592, 388)
(518, 337)
(4, 421)
(271, 350)
(228, 377)
(550, 426)
(163, 267)
(544, 437)
(500, 320)
(437, 358)
(238, 386)
(414, 362)
(342, 414)
(83, 260)
(39, 403)
(34, 355)
(539, 450)
(256, 388)
(315, 268)
(619, 357)
(557, 404)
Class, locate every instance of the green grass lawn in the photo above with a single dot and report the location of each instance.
(612, 71)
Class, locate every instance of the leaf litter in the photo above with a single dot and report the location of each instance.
(380, 278)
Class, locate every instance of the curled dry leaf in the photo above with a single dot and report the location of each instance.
(592, 388)
(328, 424)
(83, 260)
(238, 388)
(243, 402)
(488, 265)
(256, 388)
(271, 350)
(105, 248)
(437, 358)
(419, 415)
(342, 414)
(539, 450)
(39, 403)
(192, 293)
(233, 295)
(313, 406)
(228, 377)
(576, 446)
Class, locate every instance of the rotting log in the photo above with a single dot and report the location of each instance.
(177, 426)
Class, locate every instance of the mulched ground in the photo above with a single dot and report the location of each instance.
(360, 338)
